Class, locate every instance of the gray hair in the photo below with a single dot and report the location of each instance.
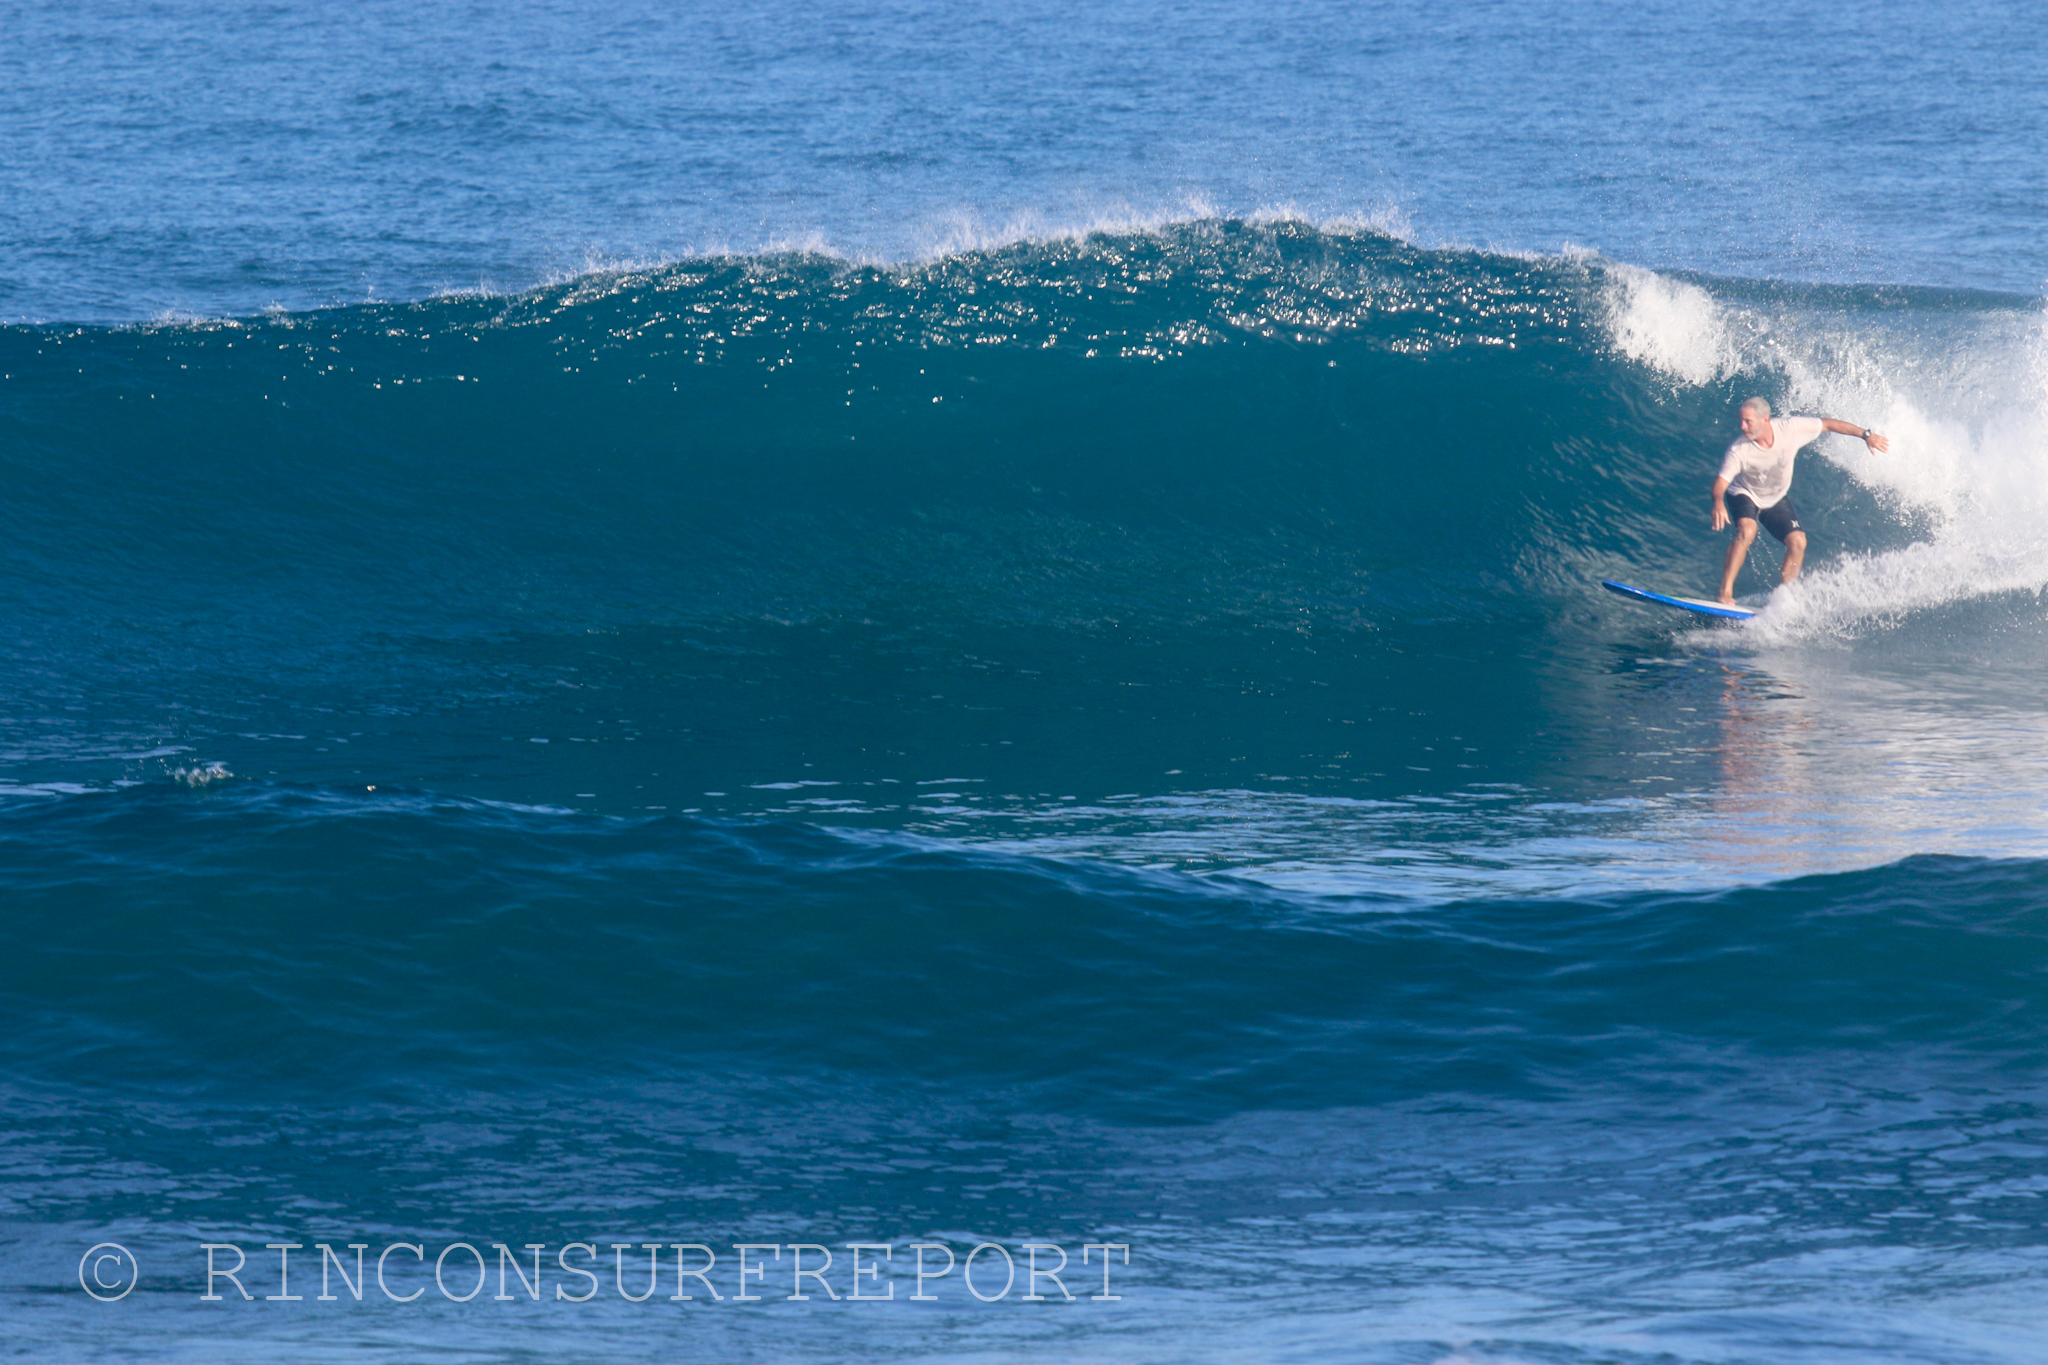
(1760, 406)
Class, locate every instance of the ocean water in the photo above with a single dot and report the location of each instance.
(895, 652)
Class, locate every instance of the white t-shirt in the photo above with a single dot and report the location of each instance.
(1765, 476)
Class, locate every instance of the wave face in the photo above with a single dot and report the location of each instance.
(1056, 433)
(1247, 506)
(1223, 420)
(1114, 740)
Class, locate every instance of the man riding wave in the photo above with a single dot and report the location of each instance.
(1755, 476)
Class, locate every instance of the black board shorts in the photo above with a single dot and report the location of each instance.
(1779, 518)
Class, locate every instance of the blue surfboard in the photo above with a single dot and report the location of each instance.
(1691, 604)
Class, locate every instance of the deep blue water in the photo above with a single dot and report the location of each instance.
(970, 627)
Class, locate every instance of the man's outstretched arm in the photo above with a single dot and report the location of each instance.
(1864, 434)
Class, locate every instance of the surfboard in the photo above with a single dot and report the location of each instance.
(1691, 604)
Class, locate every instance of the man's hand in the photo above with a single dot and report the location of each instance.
(1720, 508)
(1870, 438)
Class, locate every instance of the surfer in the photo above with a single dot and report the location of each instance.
(1756, 473)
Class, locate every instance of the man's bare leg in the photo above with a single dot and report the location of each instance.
(1795, 556)
(1738, 550)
